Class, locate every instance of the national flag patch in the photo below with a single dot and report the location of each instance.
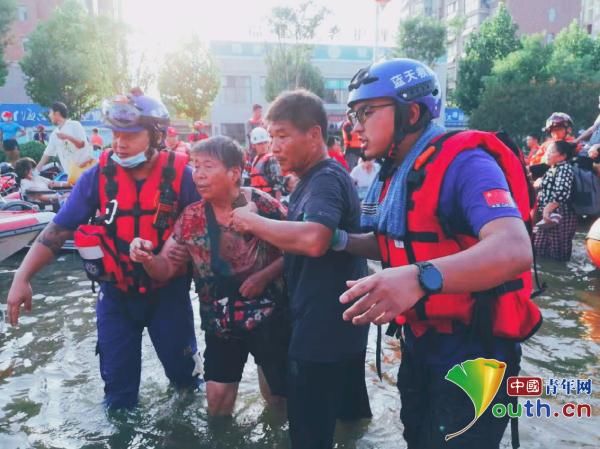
(498, 198)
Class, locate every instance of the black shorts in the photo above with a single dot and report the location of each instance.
(10, 144)
(224, 358)
(321, 393)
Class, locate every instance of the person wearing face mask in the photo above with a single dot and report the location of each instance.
(447, 218)
(138, 192)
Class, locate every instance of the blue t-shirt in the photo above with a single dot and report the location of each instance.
(9, 130)
(84, 200)
(474, 193)
(325, 195)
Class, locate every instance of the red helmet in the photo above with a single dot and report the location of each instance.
(558, 119)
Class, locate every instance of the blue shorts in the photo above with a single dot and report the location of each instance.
(121, 319)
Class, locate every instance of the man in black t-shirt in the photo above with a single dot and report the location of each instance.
(327, 354)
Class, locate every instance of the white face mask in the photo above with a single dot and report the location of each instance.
(130, 162)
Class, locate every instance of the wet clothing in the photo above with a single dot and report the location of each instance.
(121, 318)
(326, 352)
(432, 407)
(557, 186)
(321, 393)
(265, 174)
(236, 326)
(225, 358)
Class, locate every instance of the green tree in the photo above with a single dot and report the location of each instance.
(288, 61)
(73, 58)
(8, 10)
(189, 80)
(575, 57)
(421, 38)
(524, 107)
(495, 39)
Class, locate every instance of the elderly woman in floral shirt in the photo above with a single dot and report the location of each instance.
(243, 305)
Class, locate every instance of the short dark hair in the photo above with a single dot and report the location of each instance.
(301, 108)
(223, 149)
(61, 108)
(95, 130)
(256, 106)
(23, 166)
(565, 148)
(536, 136)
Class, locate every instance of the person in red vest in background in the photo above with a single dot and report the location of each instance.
(352, 144)
(198, 134)
(335, 152)
(533, 145)
(174, 144)
(265, 173)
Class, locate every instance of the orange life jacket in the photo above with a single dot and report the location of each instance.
(148, 212)
(351, 138)
(257, 172)
(509, 308)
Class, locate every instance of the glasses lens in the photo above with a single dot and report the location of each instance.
(123, 115)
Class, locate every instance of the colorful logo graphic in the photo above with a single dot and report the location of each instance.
(480, 379)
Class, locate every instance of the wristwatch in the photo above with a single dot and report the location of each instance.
(430, 278)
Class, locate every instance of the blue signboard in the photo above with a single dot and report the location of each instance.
(456, 118)
(31, 115)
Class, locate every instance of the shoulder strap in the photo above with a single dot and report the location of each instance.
(217, 265)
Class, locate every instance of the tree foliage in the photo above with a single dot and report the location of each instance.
(289, 60)
(527, 85)
(8, 9)
(495, 39)
(74, 58)
(189, 80)
(421, 38)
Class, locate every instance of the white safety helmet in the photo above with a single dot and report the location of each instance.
(259, 135)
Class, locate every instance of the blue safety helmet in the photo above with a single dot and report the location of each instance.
(134, 113)
(405, 81)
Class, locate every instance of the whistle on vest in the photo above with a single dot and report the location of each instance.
(166, 209)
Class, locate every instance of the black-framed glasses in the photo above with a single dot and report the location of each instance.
(361, 114)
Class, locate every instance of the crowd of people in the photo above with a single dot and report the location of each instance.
(275, 239)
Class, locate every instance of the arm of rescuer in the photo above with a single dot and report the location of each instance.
(164, 266)
(42, 253)
(304, 238)
(503, 252)
(79, 207)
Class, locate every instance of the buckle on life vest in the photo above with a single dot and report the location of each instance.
(165, 208)
(111, 211)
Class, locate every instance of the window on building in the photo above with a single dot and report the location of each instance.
(22, 13)
(236, 90)
(237, 131)
(472, 5)
(452, 7)
(336, 91)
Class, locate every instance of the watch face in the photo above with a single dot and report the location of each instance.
(432, 279)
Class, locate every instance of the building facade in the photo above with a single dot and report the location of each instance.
(244, 72)
(590, 16)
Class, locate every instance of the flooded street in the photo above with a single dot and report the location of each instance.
(51, 391)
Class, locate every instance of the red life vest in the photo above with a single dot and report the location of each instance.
(509, 308)
(351, 138)
(148, 212)
(257, 172)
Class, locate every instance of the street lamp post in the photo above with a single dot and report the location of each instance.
(379, 5)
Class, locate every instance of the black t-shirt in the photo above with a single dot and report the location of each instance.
(325, 195)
